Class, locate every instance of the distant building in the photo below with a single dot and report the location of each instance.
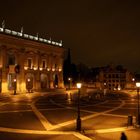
(114, 78)
(137, 77)
(29, 63)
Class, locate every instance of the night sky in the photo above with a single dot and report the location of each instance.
(98, 32)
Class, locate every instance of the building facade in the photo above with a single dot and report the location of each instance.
(115, 78)
(29, 63)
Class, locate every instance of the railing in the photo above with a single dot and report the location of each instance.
(26, 36)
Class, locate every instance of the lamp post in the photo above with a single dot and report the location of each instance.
(78, 121)
(105, 85)
(69, 79)
(138, 111)
(69, 92)
(29, 80)
(15, 86)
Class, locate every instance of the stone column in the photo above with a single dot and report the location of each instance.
(21, 81)
(4, 85)
(51, 80)
(37, 81)
(4, 82)
(37, 75)
(60, 80)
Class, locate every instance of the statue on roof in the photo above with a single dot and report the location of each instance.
(21, 30)
(3, 24)
(37, 35)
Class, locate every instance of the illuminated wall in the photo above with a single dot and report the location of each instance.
(114, 79)
(30, 60)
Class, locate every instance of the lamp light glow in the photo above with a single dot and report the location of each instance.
(69, 78)
(78, 85)
(35, 68)
(25, 68)
(133, 79)
(138, 84)
(41, 69)
(53, 69)
(59, 69)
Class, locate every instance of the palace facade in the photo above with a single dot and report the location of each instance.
(29, 63)
(115, 78)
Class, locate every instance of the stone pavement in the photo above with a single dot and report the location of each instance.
(131, 135)
(97, 129)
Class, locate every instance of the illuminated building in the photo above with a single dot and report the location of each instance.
(29, 63)
(114, 78)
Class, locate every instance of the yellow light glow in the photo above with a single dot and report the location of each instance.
(79, 85)
(25, 68)
(23, 87)
(60, 69)
(4, 87)
(119, 88)
(35, 68)
(53, 69)
(48, 69)
(138, 84)
(41, 68)
(133, 79)
(69, 78)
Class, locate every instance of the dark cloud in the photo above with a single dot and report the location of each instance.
(97, 31)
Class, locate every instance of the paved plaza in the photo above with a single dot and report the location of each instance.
(53, 116)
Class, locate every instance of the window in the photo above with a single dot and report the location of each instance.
(29, 61)
(55, 66)
(113, 75)
(11, 60)
(44, 64)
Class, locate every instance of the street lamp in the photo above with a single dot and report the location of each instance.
(78, 126)
(28, 80)
(69, 79)
(105, 89)
(69, 92)
(138, 112)
(15, 86)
